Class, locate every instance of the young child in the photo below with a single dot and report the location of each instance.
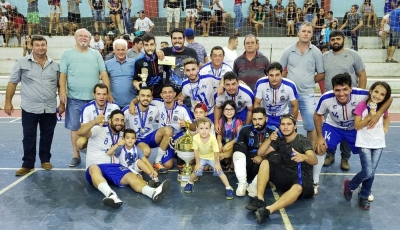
(230, 126)
(132, 157)
(206, 153)
(332, 26)
(371, 142)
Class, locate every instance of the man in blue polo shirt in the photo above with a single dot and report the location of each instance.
(394, 18)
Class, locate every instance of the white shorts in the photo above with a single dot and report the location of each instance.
(55, 9)
(175, 13)
(290, 22)
(191, 13)
(386, 27)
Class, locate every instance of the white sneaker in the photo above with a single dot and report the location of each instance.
(252, 190)
(241, 189)
(316, 186)
(112, 201)
(370, 197)
(158, 194)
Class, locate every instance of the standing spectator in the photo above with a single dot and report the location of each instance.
(329, 18)
(27, 47)
(290, 21)
(253, 8)
(318, 25)
(126, 15)
(191, 13)
(121, 70)
(216, 66)
(237, 8)
(394, 20)
(136, 49)
(199, 48)
(368, 12)
(258, 19)
(127, 38)
(143, 23)
(173, 12)
(291, 4)
(279, 11)
(299, 19)
(230, 51)
(109, 35)
(206, 16)
(218, 7)
(74, 15)
(39, 76)
(15, 25)
(251, 65)
(55, 12)
(301, 61)
(98, 7)
(310, 9)
(269, 11)
(354, 22)
(97, 43)
(4, 28)
(115, 7)
(384, 29)
(78, 80)
(33, 16)
(389, 6)
(4, 5)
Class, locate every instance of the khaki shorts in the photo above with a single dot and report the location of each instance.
(173, 13)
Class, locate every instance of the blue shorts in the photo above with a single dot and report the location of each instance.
(333, 136)
(307, 109)
(170, 153)
(113, 173)
(204, 163)
(274, 121)
(150, 140)
(98, 15)
(394, 38)
(73, 113)
(211, 116)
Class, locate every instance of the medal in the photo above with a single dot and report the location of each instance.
(142, 130)
(142, 120)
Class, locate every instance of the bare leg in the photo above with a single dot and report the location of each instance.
(145, 149)
(168, 26)
(51, 22)
(96, 26)
(74, 139)
(142, 166)
(224, 180)
(81, 143)
(287, 198)
(135, 181)
(262, 179)
(312, 135)
(163, 136)
(96, 175)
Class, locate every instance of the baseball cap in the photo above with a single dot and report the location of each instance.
(141, 12)
(201, 106)
(189, 32)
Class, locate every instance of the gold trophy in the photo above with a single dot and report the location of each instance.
(144, 74)
(184, 150)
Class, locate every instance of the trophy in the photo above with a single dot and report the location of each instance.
(184, 150)
(144, 74)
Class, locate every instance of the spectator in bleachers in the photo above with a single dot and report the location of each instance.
(33, 16)
(218, 8)
(269, 11)
(290, 21)
(74, 15)
(143, 23)
(98, 8)
(368, 12)
(173, 12)
(354, 22)
(109, 35)
(136, 49)
(230, 51)
(4, 28)
(27, 47)
(318, 25)
(251, 65)
(205, 16)
(389, 6)
(310, 9)
(299, 19)
(237, 8)
(97, 43)
(128, 40)
(164, 44)
(394, 20)
(55, 12)
(332, 26)
(199, 48)
(279, 11)
(329, 18)
(384, 29)
(126, 15)
(253, 8)
(258, 19)
(115, 7)
(15, 25)
(290, 4)
(4, 5)
(191, 13)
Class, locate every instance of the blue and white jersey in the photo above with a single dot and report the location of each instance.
(143, 122)
(170, 117)
(101, 140)
(129, 157)
(202, 90)
(90, 111)
(244, 98)
(341, 116)
(207, 69)
(276, 100)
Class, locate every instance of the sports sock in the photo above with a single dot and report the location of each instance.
(317, 168)
(239, 161)
(160, 154)
(104, 188)
(148, 191)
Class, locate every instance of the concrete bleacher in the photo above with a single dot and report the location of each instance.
(372, 55)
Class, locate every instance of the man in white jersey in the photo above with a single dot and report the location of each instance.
(100, 168)
(144, 122)
(339, 124)
(240, 93)
(98, 107)
(199, 88)
(274, 93)
(216, 67)
(230, 51)
(174, 116)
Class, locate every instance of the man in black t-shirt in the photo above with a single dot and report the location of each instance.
(293, 176)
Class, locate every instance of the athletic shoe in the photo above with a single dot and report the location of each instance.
(112, 201)
(159, 192)
(347, 193)
(229, 194)
(316, 186)
(370, 197)
(364, 203)
(255, 203)
(23, 171)
(241, 189)
(47, 166)
(262, 214)
(75, 162)
(161, 169)
(252, 190)
(188, 188)
(153, 183)
(393, 61)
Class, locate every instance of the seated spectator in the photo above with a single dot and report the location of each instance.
(310, 9)
(299, 18)
(128, 40)
(143, 23)
(136, 50)
(164, 44)
(109, 35)
(290, 4)
(15, 25)
(97, 43)
(4, 6)
(115, 7)
(27, 48)
(3, 27)
(279, 13)
(253, 8)
(290, 21)
(258, 19)
(368, 12)
(269, 11)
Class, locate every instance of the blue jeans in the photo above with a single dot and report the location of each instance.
(354, 38)
(369, 162)
(308, 18)
(127, 21)
(238, 16)
(307, 108)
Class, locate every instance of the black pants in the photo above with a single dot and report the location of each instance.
(218, 13)
(47, 123)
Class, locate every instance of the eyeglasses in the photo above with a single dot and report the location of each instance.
(290, 116)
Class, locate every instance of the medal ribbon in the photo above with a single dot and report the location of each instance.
(142, 121)
(170, 112)
(103, 110)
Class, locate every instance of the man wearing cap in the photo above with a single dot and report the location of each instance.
(143, 23)
(199, 48)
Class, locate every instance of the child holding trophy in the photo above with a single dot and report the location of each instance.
(206, 150)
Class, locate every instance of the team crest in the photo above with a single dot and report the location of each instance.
(145, 64)
(150, 119)
(240, 104)
(282, 98)
(251, 134)
(175, 118)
